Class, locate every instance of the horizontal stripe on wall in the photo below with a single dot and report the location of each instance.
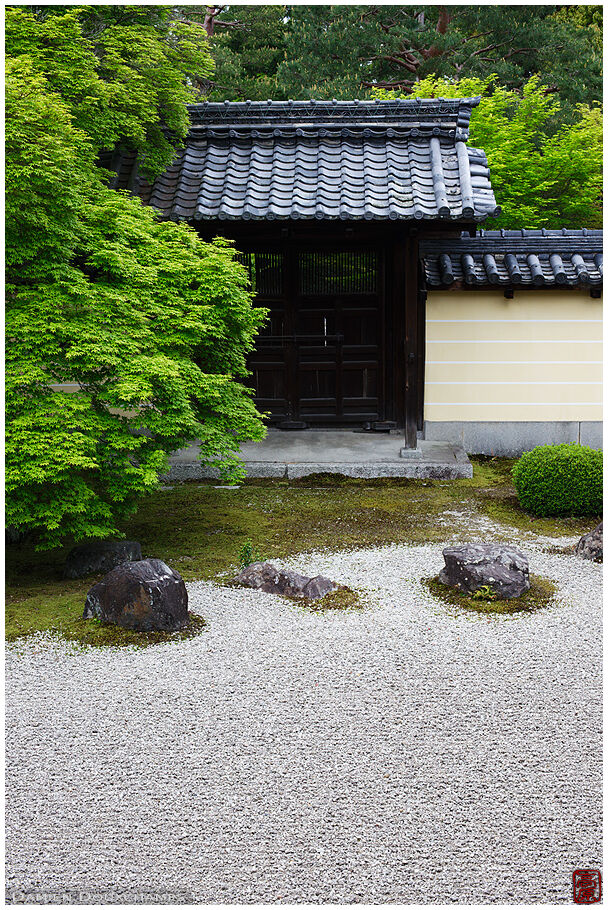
(564, 363)
(531, 305)
(510, 341)
(511, 382)
(514, 361)
(519, 404)
(525, 392)
(514, 411)
(528, 372)
(526, 321)
(489, 331)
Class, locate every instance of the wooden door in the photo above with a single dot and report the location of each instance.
(320, 357)
(338, 318)
(272, 361)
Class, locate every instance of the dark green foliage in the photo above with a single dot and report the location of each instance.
(560, 480)
(126, 337)
(348, 51)
(248, 44)
(324, 51)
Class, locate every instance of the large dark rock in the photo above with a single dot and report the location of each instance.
(146, 596)
(265, 577)
(473, 565)
(591, 545)
(95, 556)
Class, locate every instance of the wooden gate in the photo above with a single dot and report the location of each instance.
(319, 359)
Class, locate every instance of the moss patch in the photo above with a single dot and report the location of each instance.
(341, 598)
(200, 530)
(541, 593)
(498, 500)
(63, 615)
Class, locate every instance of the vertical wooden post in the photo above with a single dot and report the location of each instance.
(395, 324)
(421, 345)
(291, 279)
(412, 336)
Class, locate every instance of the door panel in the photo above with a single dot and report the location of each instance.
(319, 359)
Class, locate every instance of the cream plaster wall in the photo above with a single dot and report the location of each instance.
(536, 357)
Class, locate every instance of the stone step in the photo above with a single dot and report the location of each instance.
(301, 453)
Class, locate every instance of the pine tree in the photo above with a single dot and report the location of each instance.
(248, 44)
(349, 51)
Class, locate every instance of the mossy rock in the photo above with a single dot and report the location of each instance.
(541, 594)
(341, 598)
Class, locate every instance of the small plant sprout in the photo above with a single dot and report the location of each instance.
(485, 592)
(248, 555)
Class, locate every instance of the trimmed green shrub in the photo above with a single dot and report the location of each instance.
(564, 479)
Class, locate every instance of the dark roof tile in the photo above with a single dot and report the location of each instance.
(404, 159)
(516, 258)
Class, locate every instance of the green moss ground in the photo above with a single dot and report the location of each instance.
(541, 593)
(341, 598)
(200, 530)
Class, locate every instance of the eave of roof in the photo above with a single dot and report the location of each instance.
(515, 258)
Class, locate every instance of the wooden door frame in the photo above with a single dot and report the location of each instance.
(321, 238)
(402, 293)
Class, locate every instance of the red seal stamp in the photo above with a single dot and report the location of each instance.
(586, 886)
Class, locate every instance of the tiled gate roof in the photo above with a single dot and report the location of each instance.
(372, 160)
(515, 258)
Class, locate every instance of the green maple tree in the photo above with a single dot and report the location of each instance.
(126, 336)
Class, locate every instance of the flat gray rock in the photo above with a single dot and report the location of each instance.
(263, 576)
(474, 565)
(591, 545)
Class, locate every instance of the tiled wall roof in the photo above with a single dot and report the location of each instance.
(371, 160)
(521, 258)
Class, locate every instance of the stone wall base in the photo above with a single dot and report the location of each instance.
(511, 438)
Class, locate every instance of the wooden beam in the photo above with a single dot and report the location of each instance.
(412, 341)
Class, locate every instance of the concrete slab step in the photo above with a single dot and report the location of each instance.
(295, 454)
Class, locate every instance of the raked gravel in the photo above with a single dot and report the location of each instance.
(409, 753)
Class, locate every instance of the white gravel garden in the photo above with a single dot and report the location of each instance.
(406, 752)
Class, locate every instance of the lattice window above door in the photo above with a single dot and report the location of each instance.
(346, 272)
(265, 272)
